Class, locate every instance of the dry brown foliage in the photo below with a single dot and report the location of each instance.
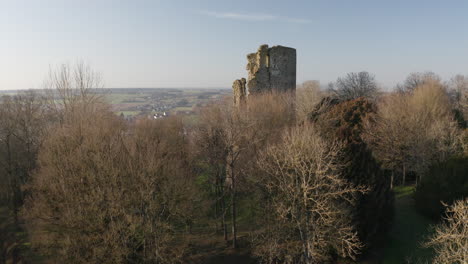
(106, 194)
(70, 90)
(270, 112)
(309, 217)
(23, 123)
(417, 79)
(459, 88)
(211, 151)
(465, 141)
(450, 240)
(411, 131)
(308, 95)
(230, 138)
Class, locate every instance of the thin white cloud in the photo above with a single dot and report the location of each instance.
(254, 17)
(297, 20)
(238, 16)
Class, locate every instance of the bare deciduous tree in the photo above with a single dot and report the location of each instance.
(237, 128)
(436, 136)
(244, 130)
(417, 79)
(23, 123)
(355, 85)
(210, 145)
(308, 198)
(411, 131)
(71, 88)
(459, 92)
(105, 194)
(390, 137)
(450, 240)
(308, 95)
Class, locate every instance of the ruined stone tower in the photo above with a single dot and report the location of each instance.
(270, 69)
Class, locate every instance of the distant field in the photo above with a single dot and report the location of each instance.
(135, 102)
(184, 109)
(117, 98)
(128, 113)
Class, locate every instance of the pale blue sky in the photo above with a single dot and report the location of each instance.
(204, 43)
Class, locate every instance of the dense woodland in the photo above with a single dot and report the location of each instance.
(280, 178)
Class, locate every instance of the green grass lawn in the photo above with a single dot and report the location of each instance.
(409, 230)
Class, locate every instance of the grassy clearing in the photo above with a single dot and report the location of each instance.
(409, 230)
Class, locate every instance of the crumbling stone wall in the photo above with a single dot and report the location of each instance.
(239, 91)
(259, 74)
(269, 69)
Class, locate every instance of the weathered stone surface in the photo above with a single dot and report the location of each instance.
(257, 67)
(239, 91)
(282, 68)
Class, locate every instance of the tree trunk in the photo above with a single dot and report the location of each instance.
(223, 220)
(13, 183)
(391, 180)
(233, 207)
(404, 175)
(217, 202)
(234, 226)
(222, 204)
(308, 249)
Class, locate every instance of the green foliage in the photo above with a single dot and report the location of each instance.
(343, 120)
(444, 182)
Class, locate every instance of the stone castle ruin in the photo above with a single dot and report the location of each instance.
(270, 70)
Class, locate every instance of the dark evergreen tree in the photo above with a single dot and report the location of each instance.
(344, 121)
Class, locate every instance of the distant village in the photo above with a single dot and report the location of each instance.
(160, 103)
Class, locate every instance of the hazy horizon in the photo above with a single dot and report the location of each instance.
(175, 44)
(123, 88)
